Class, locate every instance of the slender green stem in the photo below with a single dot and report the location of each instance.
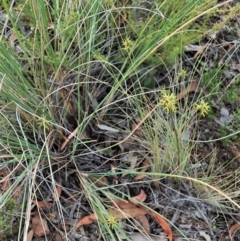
(177, 140)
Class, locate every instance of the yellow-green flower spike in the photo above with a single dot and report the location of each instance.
(168, 101)
(112, 221)
(203, 108)
(182, 74)
(127, 44)
(42, 122)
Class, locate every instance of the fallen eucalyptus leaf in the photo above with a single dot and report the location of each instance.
(127, 212)
(233, 229)
(163, 223)
(39, 226)
(192, 87)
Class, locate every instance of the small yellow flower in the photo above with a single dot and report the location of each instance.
(112, 221)
(203, 107)
(168, 101)
(42, 122)
(127, 44)
(182, 74)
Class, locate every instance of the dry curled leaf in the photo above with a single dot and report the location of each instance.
(123, 204)
(120, 210)
(5, 182)
(4, 171)
(141, 197)
(58, 237)
(192, 87)
(145, 166)
(233, 229)
(221, 238)
(43, 204)
(132, 201)
(39, 226)
(29, 235)
(143, 221)
(164, 224)
(5, 185)
(206, 236)
(86, 220)
(127, 212)
(199, 51)
(129, 209)
(234, 148)
(17, 191)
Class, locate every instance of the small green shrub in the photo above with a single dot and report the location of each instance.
(6, 218)
(233, 92)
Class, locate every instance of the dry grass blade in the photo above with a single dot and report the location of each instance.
(99, 181)
(58, 192)
(74, 133)
(69, 138)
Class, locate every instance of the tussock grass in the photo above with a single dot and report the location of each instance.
(75, 64)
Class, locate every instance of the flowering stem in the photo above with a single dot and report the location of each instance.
(177, 139)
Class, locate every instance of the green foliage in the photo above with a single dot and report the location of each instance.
(6, 217)
(167, 21)
(210, 78)
(236, 119)
(233, 92)
(231, 127)
(77, 49)
(159, 31)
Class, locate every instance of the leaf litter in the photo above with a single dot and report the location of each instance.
(39, 226)
(129, 208)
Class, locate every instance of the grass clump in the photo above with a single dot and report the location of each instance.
(86, 67)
